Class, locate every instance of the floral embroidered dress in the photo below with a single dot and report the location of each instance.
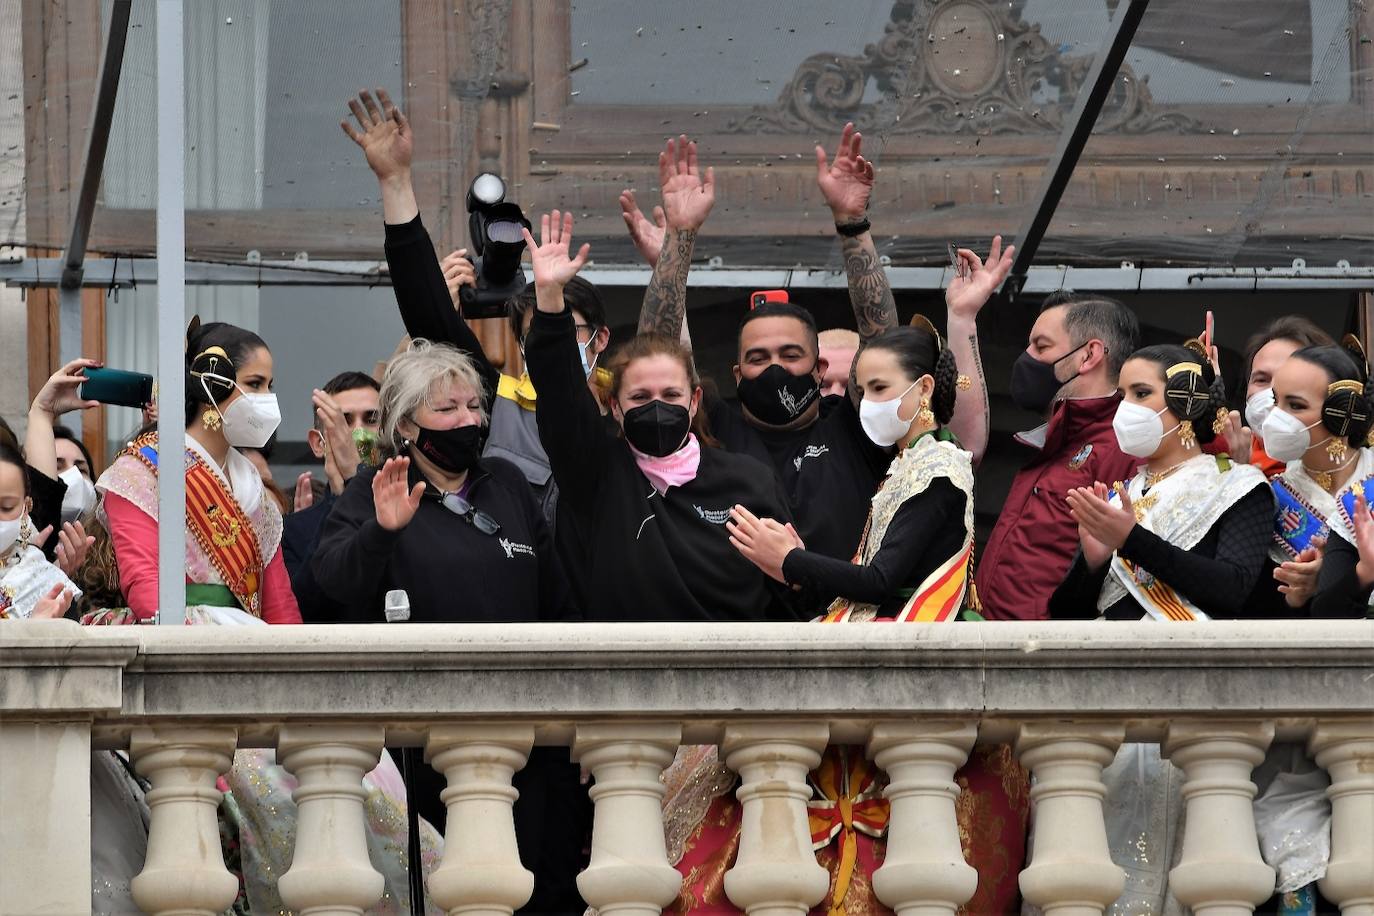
(235, 575)
(848, 814)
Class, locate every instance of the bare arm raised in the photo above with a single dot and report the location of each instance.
(687, 200)
(965, 297)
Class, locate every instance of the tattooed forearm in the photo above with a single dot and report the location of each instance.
(665, 301)
(869, 293)
(982, 384)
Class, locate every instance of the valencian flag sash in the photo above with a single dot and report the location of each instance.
(1296, 523)
(218, 524)
(850, 800)
(936, 600)
(1346, 504)
(1155, 595)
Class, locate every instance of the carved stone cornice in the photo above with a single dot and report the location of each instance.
(954, 67)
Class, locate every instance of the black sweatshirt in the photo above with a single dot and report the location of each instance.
(829, 470)
(1219, 574)
(452, 572)
(924, 532)
(649, 557)
(1339, 592)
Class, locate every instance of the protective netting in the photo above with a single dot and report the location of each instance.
(1236, 133)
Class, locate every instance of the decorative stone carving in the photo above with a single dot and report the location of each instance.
(954, 67)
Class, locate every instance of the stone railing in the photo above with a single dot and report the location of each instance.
(625, 697)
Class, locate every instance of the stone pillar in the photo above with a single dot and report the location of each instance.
(1346, 751)
(775, 872)
(184, 872)
(45, 807)
(629, 874)
(924, 873)
(330, 870)
(1221, 872)
(480, 874)
(1071, 872)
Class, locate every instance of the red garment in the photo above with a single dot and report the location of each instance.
(1035, 538)
(1271, 467)
(134, 534)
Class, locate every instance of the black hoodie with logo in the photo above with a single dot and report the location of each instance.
(649, 556)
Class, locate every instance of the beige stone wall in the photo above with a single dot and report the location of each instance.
(13, 318)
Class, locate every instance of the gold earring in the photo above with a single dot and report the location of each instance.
(964, 383)
(1336, 448)
(1219, 424)
(1186, 434)
(25, 532)
(925, 416)
(210, 419)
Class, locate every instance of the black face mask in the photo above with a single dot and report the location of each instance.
(657, 428)
(451, 450)
(776, 396)
(1033, 382)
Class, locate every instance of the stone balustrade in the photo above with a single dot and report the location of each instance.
(623, 698)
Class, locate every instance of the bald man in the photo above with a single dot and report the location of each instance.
(838, 346)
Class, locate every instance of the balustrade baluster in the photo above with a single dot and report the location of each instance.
(184, 873)
(1071, 872)
(775, 871)
(480, 874)
(330, 870)
(1221, 871)
(924, 873)
(1346, 751)
(629, 874)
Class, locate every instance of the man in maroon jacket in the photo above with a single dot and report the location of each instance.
(1069, 374)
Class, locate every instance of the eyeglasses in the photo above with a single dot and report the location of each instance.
(470, 514)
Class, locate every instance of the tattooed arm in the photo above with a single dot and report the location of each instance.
(687, 201)
(965, 297)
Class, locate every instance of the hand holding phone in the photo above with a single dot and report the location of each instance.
(117, 386)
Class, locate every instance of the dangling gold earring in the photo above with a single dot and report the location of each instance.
(1336, 448)
(1219, 424)
(1186, 434)
(25, 532)
(925, 416)
(210, 419)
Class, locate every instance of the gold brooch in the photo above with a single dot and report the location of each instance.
(964, 383)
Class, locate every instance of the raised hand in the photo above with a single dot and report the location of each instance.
(763, 542)
(553, 266)
(1102, 527)
(73, 544)
(62, 391)
(383, 133)
(305, 493)
(847, 182)
(687, 197)
(340, 454)
(395, 501)
(54, 604)
(1364, 540)
(458, 272)
(968, 293)
(1240, 439)
(647, 236)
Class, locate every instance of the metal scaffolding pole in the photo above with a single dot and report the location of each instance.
(97, 141)
(171, 314)
(1091, 97)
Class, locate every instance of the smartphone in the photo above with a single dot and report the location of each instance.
(116, 386)
(955, 261)
(762, 296)
(1210, 331)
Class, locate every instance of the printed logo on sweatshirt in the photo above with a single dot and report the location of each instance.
(714, 516)
(812, 451)
(512, 548)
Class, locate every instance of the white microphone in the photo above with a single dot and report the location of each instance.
(397, 606)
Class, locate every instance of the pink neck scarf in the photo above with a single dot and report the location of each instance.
(671, 470)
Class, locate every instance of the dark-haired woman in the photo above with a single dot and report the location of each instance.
(652, 503)
(30, 586)
(912, 566)
(1185, 539)
(234, 569)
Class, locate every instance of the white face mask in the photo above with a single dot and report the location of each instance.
(80, 496)
(882, 420)
(1285, 438)
(251, 420)
(1139, 430)
(587, 364)
(9, 532)
(1257, 409)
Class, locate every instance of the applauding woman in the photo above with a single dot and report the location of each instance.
(653, 500)
(1186, 538)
